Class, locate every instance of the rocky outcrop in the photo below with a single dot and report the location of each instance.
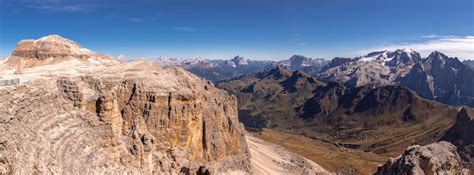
(125, 118)
(442, 78)
(436, 158)
(134, 117)
(51, 49)
(461, 134)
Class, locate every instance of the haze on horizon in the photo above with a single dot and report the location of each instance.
(254, 29)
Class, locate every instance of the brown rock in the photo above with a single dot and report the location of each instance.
(134, 117)
(51, 49)
(461, 134)
(436, 158)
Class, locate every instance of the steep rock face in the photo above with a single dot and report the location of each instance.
(338, 61)
(442, 78)
(436, 158)
(461, 135)
(436, 77)
(134, 117)
(50, 49)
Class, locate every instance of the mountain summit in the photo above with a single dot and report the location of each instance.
(237, 61)
(48, 50)
(300, 62)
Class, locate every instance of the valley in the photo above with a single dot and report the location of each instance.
(237, 87)
(101, 114)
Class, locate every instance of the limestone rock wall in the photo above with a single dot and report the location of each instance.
(142, 121)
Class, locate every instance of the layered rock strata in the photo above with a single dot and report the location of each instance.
(135, 118)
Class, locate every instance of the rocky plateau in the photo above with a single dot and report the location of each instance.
(76, 111)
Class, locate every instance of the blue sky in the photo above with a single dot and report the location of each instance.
(258, 29)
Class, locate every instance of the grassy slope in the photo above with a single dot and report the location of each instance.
(329, 156)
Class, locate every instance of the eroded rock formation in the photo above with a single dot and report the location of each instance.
(461, 134)
(51, 49)
(436, 158)
(134, 117)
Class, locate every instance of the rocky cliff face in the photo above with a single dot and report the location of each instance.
(436, 158)
(442, 78)
(436, 77)
(461, 135)
(51, 49)
(134, 118)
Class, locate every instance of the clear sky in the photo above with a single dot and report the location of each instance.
(257, 29)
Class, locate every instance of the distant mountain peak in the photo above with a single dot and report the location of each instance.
(405, 50)
(54, 37)
(437, 55)
(50, 49)
(237, 61)
(298, 57)
(397, 58)
(440, 59)
(300, 62)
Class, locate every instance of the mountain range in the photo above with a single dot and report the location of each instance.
(78, 111)
(219, 70)
(75, 110)
(381, 119)
(438, 77)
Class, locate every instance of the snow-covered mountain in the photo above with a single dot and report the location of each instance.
(375, 68)
(397, 58)
(442, 78)
(438, 76)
